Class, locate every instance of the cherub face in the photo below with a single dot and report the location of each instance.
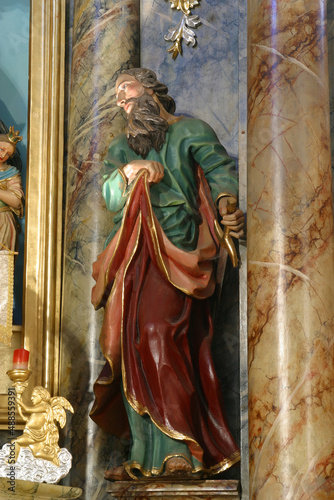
(6, 151)
(35, 398)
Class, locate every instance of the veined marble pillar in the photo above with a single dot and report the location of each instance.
(105, 40)
(291, 254)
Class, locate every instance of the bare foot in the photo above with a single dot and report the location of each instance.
(177, 466)
(117, 474)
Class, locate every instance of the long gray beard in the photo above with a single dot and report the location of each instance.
(145, 129)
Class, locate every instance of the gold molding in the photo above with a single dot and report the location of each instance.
(43, 242)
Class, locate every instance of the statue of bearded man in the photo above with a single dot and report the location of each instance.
(166, 178)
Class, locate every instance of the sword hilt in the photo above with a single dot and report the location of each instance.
(224, 237)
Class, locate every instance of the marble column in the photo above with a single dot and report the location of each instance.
(291, 254)
(105, 40)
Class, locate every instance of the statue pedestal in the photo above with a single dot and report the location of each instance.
(159, 489)
(29, 490)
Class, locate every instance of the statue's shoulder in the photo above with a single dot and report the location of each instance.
(8, 171)
(118, 150)
(193, 126)
(4, 167)
(118, 142)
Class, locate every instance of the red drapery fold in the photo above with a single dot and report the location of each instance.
(157, 333)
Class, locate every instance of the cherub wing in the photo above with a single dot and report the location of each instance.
(59, 405)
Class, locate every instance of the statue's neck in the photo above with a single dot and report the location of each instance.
(163, 113)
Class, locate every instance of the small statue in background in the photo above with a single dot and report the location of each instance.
(11, 192)
(41, 433)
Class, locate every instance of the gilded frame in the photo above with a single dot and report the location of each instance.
(44, 196)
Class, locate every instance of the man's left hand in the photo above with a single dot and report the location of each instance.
(234, 221)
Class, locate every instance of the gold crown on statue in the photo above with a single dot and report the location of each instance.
(13, 136)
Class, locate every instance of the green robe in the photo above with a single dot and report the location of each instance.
(174, 199)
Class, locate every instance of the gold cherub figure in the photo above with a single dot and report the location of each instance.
(41, 433)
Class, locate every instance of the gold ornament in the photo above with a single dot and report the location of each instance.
(184, 5)
(13, 136)
(183, 31)
(41, 433)
(224, 237)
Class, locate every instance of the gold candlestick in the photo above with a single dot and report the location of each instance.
(19, 378)
(19, 375)
(40, 434)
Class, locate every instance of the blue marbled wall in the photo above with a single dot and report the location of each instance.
(204, 80)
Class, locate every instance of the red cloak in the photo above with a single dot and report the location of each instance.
(157, 331)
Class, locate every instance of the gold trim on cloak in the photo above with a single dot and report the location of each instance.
(125, 180)
(155, 471)
(216, 469)
(9, 178)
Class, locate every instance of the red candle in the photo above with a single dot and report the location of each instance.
(20, 359)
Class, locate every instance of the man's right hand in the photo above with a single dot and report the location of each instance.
(155, 170)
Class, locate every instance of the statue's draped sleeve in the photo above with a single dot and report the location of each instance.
(218, 167)
(115, 187)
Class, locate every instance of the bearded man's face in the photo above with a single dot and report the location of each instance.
(127, 87)
(145, 129)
